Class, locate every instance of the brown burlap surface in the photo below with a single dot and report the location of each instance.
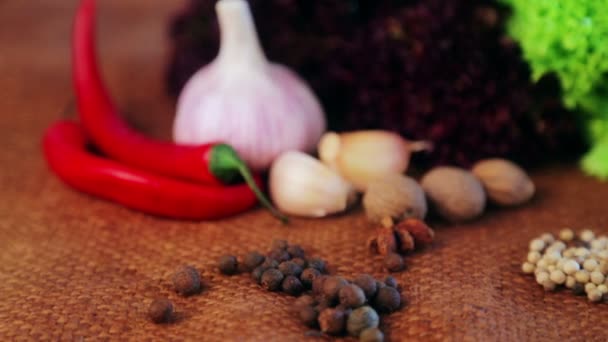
(73, 267)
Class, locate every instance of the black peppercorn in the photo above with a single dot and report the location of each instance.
(317, 284)
(292, 285)
(279, 244)
(300, 262)
(387, 300)
(228, 264)
(308, 316)
(332, 286)
(187, 281)
(252, 260)
(393, 262)
(269, 263)
(332, 321)
(295, 251)
(351, 296)
(391, 281)
(256, 274)
(317, 263)
(279, 255)
(308, 275)
(272, 279)
(290, 268)
(367, 283)
(160, 310)
(371, 335)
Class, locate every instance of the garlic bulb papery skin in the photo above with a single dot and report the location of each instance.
(303, 186)
(259, 108)
(364, 156)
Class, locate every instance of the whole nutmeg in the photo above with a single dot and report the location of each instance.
(160, 310)
(506, 183)
(332, 321)
(387, 299)
(361, 319)
(454, 192)
(186, 281)
(395, 196)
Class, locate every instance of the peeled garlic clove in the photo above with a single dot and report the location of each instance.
(363, 156)
(505, 183)
(260, 108)
(303, 186)
(395, 196)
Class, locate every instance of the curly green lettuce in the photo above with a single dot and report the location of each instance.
(569, 38)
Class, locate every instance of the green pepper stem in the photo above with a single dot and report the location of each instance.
(225, 161)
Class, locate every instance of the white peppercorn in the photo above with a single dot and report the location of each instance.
(534, 257)
(590, 265)
(548, 285)
(603, 267)
(587, 235)
(558, 277)
(581, 252)
(603, 255)
(558, 246)
(570, 282)
(566, 234)
(602, 288)
(527, 267)
(553, 257)
(542, 263)
(594, 295)
(537, 245)
(597, 277)
(570, 266)
(551, 268)
(590, 287)
(542, 277)
(569, 252)
(582, 276)
(598, 244)
(547, 238)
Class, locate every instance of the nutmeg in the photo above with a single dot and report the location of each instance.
(505, 182)
(396, 196)
(455, 193)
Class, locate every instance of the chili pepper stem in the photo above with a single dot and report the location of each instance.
(223, 164)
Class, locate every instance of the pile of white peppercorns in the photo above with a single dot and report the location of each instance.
(579, 263)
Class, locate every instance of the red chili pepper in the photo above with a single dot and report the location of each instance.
(210, 163)
(65, 147)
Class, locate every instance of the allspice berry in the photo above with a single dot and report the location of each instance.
(395, 196)
(300, 262)
(393, 262)
(371, 335)
(387, 300)
(186, 281)
(279, 255)
(305, 300)
(332, 321)
(295, 251)
(505, 182)
(272, 279)
(317, 284)
(367, 283)
(160, 310)
(318, 264)
(351, 296)
(256, 274)
(309, 316)
(455, 193)
(361, 319)
(228, 264)
(332, 286)
(391, 281)
(290, 268)
(252, 260)
(308, 275)
(292, 285)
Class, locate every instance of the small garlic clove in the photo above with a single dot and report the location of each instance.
(303, 186)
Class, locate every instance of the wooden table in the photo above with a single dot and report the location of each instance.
(73, 267)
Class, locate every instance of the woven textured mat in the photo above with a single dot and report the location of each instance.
(73, 267)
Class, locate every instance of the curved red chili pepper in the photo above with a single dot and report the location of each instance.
(65, 151)
(210, 163)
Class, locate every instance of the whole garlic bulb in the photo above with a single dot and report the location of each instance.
(301, 185)
(261, 109)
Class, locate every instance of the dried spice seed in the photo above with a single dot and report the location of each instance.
(371, 335)
(278, 244)
(360, 319)
(332, 321)
(332, 286)
(290, 268)
(160, 310)
(252, 260)
(317, 284)
(387, 300)
(393, 262)
(391, 281)
(269, 263)
(292, 285)
(308, 275)
(272, 279)
(187, 281)
(279, 255)
(318, 264)
(309, 316)
(295, 251)
(256, 274)
(423, 234)
(228, 264)
(351, 296)
(300, 262)
(367, 283)
(304, 300)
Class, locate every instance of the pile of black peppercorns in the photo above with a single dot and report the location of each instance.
(329, 303)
